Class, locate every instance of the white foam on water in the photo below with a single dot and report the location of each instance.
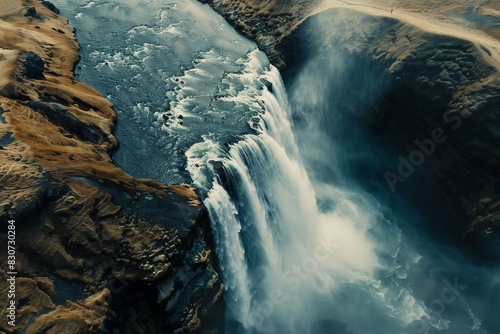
(90, 4)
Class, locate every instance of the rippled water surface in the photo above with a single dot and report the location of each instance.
(168, 67)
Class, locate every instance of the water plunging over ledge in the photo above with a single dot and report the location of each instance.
(286, 262)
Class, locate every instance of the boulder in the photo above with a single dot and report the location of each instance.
(34, 66)
(51, 6)
(31, 12)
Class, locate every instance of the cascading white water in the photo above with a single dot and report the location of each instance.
(282, 258)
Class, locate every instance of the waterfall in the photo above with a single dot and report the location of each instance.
(286, 247)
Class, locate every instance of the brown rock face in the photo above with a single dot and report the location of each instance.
(82, 317)
(438, 76)
(92, 242)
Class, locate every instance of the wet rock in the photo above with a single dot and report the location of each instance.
(31, 12)
(58, 30)
(6, 139)
(34, 66)
(59, 115)
(51, 6)
(268, 84)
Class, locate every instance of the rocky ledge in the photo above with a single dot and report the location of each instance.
(438, 65)
(97, 250)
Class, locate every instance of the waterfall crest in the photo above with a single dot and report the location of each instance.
(289, 252)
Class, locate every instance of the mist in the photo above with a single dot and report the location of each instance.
(333, 96)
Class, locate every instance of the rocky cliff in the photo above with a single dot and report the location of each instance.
(97, 250)
(436, 114)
